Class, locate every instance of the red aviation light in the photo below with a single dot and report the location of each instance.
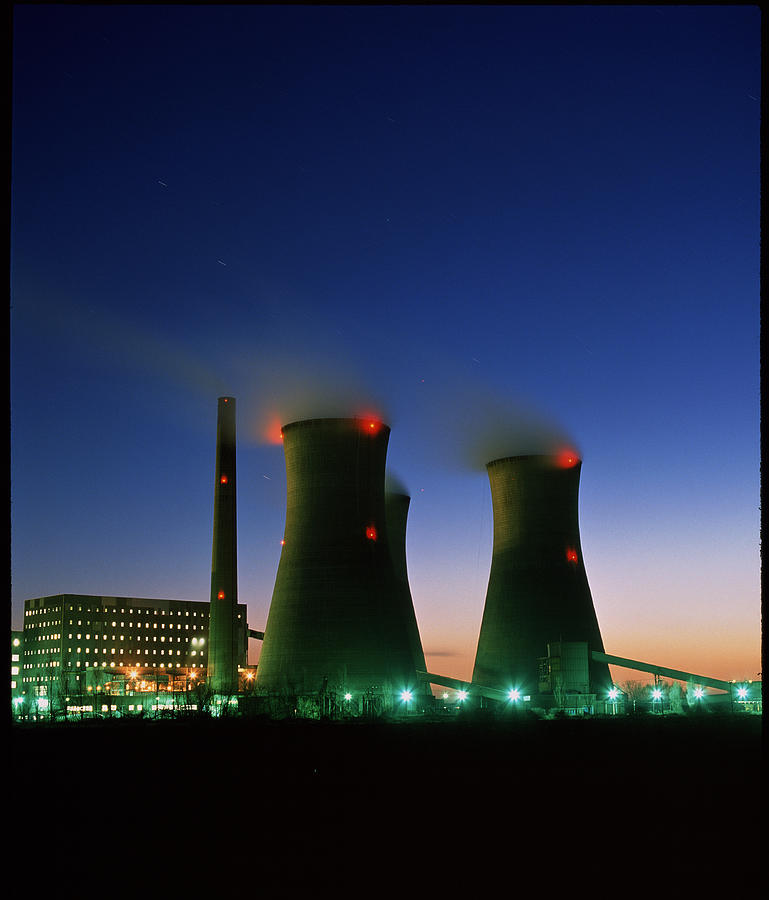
(369, 424)
(371, 533)
(566, 459)
(571, 555)
(220, 595)
(223, 479)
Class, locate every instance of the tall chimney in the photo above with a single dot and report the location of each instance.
(224, 650)
(538, 593)
(336, 618)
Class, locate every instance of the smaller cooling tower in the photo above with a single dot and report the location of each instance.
(538, 593)
(397, 510)
(224, 644)
(336, 619)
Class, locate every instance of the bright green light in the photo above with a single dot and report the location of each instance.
(514, 694)
(742, 692)
(348, 696)
(406, 696)
(613, 693)
(656, 693)
(699, 693)
(461, 695)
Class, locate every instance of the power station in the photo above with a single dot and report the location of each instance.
(341, 635)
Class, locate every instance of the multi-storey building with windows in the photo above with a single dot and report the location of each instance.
(77, 646)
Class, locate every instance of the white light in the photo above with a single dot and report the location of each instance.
(656, 693)
(514, 694)
(461, 695)
(699, 693)
(348, 696)
(742, 692)
(406, 696)
(613, 693)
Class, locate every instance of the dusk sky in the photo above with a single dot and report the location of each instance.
(492, 226)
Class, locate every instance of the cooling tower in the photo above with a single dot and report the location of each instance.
(336, 617)
(396, 511)
(224, 650)
(538, 593)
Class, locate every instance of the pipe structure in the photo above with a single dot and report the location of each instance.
(224, 640)
(336, 617)
(538, 591)
(396, 512)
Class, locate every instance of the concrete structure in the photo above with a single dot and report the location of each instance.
(224, 651)
(75, 645)
(538, 593)
(396, 513)
(337, 621)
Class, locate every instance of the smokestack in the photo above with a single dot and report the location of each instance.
(538, 593)
(223, 645)
(336, 617)
(397, 510)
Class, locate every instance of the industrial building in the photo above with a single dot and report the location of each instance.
(76, 647)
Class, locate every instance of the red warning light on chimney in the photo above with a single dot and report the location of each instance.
(571, 555)
(371, 533)
(220, 595)
(223, 479)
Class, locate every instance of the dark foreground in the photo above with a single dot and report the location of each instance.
(289, 800)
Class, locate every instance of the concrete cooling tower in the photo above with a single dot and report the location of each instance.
(337, 614)
(538, 593)
(224, 644)
(396, 511)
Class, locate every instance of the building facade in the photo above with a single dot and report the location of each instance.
(77, 646)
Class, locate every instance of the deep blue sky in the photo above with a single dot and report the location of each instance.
(450, 211)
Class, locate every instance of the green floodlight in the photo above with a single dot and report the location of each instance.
(406, 696)
(699, 693)
(657, 694)
(348, 696)
(742, 692)
(513, 694)
(613, 693)
(461, 695)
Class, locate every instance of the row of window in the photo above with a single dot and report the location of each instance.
(30, 679)
(147, 611)
(53, 663)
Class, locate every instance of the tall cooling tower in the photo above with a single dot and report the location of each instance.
(224, 651)
(397, 510)
(538, 593)
(336, 617)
